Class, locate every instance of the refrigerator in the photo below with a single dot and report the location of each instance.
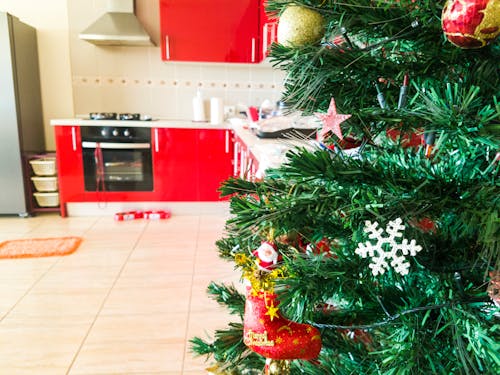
(21, 118)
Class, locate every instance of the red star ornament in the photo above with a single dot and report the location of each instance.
(331, 121)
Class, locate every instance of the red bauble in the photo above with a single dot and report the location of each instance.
(406, 139)
(471, 23)
(269, 334)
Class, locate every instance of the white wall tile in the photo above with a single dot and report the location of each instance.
(163, 102)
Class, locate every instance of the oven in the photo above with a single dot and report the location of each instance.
(117, 158)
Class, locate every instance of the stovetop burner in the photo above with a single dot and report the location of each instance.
(120, 116)
(102, 116)
(129, 116)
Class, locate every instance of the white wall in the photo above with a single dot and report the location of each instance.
(50, 18)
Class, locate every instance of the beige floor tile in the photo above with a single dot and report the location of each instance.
(85, 303)
(175, 265)
(12, 270)
(28, 347)
(134, 276)
(128, 357)
(145, 300)
(169, 328)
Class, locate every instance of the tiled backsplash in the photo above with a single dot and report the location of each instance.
(167, 97)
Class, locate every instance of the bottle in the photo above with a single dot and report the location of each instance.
(216, 111)
(199, 108)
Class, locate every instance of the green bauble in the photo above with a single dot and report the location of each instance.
(298, 26)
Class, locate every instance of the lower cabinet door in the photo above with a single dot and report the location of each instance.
(69, 164)
(215, 148)
(175, 156)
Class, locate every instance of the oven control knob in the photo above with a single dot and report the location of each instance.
(126, 132)
(104, 132)
(115, 132)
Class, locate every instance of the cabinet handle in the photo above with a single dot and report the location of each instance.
(157, 147)
(249, 169)
(265, 32)
(253, 49)
(73, 137)
(243, 163)
(167, 47)
(235, 164)
(227, 141)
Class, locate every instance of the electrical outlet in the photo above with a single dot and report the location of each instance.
(229, 111)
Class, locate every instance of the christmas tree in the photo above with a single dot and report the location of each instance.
(375, 250)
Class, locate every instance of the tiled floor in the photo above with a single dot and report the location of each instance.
(126, 302)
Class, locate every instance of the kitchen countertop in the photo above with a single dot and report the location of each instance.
(159, 123)
(269, 152)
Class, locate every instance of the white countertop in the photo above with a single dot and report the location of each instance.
(160, 123)
(269, 152)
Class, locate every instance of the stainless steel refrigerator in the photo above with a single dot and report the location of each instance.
(21, 119)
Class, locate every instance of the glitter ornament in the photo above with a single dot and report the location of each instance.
(298, 26)
(274, 367)
(471, 23)
(331, 121)
(269, 334)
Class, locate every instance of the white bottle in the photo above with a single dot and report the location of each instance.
(199, 108)
(216, 111)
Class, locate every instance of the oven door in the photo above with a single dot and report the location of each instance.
(117, 166)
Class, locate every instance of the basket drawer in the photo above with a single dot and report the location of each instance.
(45, 183)
(44, 166)
(47, 199)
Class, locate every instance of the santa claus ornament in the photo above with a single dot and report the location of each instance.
(471, 23)
(267, 256)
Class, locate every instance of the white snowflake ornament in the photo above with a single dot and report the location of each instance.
(386, 252)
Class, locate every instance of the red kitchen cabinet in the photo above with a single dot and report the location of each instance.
(214, 161)
(69, 164)
(190, 164)
(244, 165)
(175, 157)
(214, 30)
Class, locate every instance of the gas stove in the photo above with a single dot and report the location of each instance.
(119, 116)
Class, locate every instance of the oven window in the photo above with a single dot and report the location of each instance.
(123, 166)
(117, 169)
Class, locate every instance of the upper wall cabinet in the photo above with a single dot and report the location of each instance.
(215, 30)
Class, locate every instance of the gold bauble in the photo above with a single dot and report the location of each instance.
(278, 367)
(298, 26)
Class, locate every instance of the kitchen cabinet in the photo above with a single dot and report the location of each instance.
(69, 162)
(190, 164)
(175, 164)
(214, 161)
(215, 30)
(245, 165)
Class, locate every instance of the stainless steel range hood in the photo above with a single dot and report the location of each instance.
(119, 26)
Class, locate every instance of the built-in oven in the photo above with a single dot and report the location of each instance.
(117, 158)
